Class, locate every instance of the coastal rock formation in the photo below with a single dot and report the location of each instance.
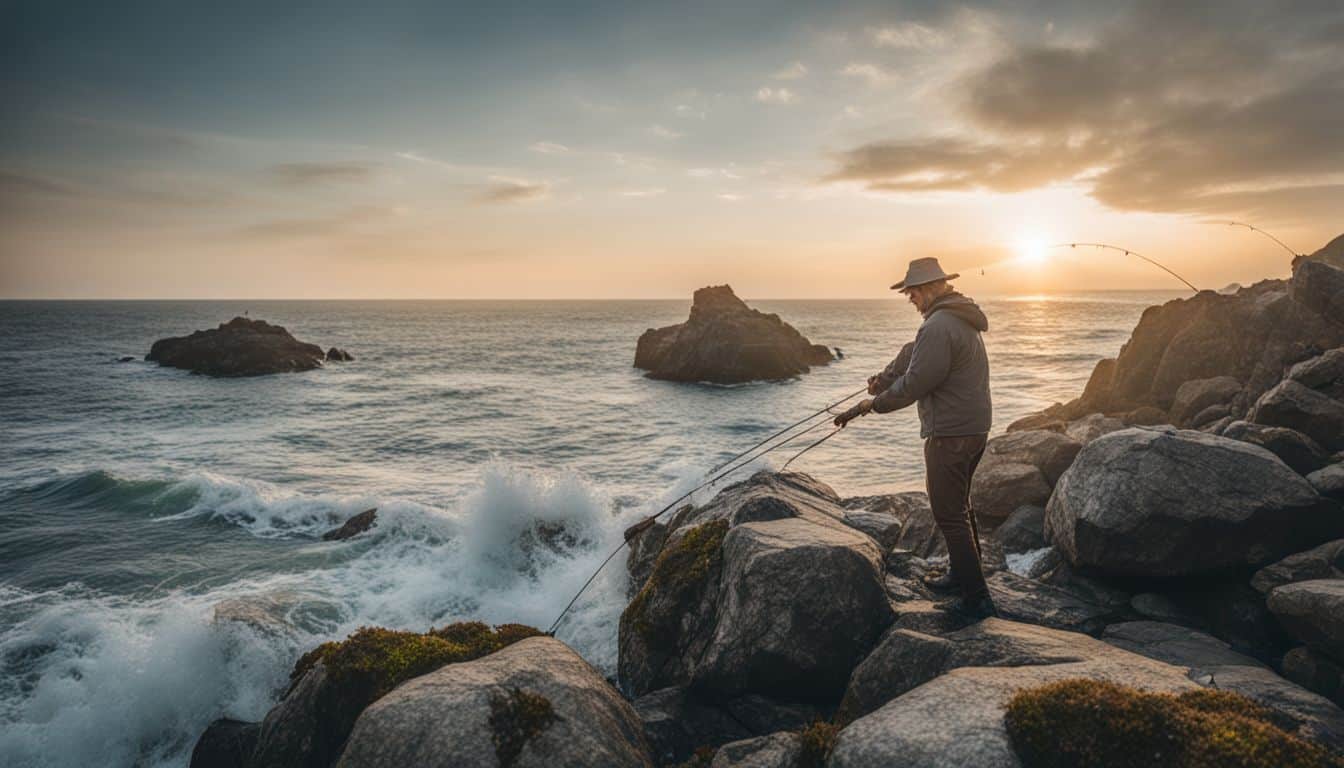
(356, 525)
(1314, 612)
(726, 342)
(1323, 562)
(1124, 506)
(338, 355)
(737, 592)
(1291, 404)
(677, 721)
(226, 743)
(240, 347)
(1293, 448)
(535, 703)
(1023, 531)
(1019, 468)
(1251, 337)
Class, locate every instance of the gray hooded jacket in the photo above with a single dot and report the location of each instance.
(945, 371)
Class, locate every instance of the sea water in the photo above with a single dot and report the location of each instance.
(160, 555)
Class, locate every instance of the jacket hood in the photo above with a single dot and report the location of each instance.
(961, 306)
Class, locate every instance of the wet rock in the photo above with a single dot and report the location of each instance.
(956, 717)
(1329, 481)
(1315, 672)
(1323, 562)
(534, 703)
(1292, 405)
(777, 750)
(225, 744)
(1124, 506)
(1196, 395)
(356, 525)
(299, 732)
(727, 342)
(1313, 611)
(338, 355)
(240, 347)
(732, 607)
(1213, 664)
(1023, 531)
(645, 544)
(1292, 447)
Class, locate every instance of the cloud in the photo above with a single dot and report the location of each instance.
(503, 190)
(305, 174)
(731, 197)
(768, 95)
(712, 173)
(795, 71)
(20, 184)
(1171, 108)
(642, 193)
(549, 148)
(907, 35)
(664, 132)
(869, 73)
(339, 223)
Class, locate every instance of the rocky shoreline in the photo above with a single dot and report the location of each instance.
(1167, 554)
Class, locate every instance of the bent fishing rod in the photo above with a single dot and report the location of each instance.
(747, 457)
(1128, 252)
(1254, 228)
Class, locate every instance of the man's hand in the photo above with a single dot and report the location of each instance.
(853, 413)
(875, 385)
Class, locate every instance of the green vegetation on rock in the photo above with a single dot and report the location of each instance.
(678, 576)
(373, 660)
(515, 718)
(816, 741)
(1097, 723)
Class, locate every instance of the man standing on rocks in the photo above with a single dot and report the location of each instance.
(946, 372)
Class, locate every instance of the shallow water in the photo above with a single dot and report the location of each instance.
(134, 500)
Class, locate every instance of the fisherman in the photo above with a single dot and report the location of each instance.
(945, 370)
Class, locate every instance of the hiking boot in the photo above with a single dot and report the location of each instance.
(971, 610)
(941, 581)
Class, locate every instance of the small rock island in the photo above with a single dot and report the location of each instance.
(240, 347)
(724, 341)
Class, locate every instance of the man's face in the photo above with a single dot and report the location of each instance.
(919, 296)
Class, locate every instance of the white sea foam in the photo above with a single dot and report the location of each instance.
(122, 681)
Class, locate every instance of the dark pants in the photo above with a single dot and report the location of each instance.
(949, 463)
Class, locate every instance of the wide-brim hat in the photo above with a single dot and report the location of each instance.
(921, 271)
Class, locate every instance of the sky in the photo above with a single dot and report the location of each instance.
(630, 150)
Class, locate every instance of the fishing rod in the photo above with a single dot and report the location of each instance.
(719, 476)
(1128, 252)
(1254, 228)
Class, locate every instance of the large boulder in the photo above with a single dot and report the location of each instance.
(1319, 286)
(999, 487)
(1329, 481)
(954, 717)
(1315, 672)
(1325, 373)
(1313, 611)
(1147, 502)
(1092, 426)
(1194, 396)
(1023, 531)
(677, 721)
(1295, 449)
(226, 743)
(1291, 404)
(240, 347)
(534, 703)
(738, 594)
(726, 342)
(1212, 663)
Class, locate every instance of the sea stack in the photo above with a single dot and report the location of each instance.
(240, 347)
(726, 342)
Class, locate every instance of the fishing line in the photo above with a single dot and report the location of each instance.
(1128, 252)
(715, 479)
(1254, 228)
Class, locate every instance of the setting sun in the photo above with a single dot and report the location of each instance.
(1031, 251)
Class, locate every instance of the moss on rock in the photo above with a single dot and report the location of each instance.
(816, 742)
(515, 718)
(1097, 723)
(678, 575)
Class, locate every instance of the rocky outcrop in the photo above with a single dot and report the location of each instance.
(1323, 562)
(1320, 286)
(356, 525)
(338, 355)
(535, 703)
(240, 347)
(726, 342)
(738, 591)
(950, 693)
(1329, 481)
(226, 743)
(1195, 396)
(1023, 531)
(1291, 404)
(1124, 507)
(1316, 672)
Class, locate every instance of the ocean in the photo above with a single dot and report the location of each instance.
(160, 555)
